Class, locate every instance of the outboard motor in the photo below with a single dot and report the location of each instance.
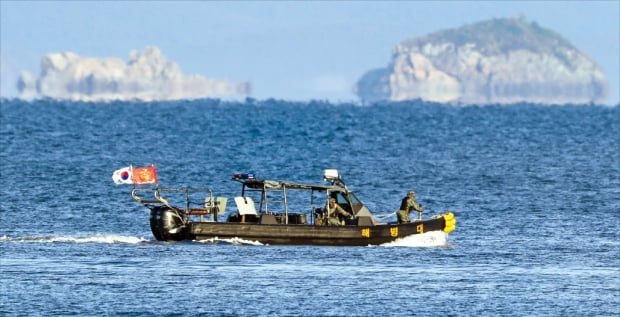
(167, 224)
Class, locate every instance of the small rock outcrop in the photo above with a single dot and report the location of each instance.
(146, 76)
(500, 61)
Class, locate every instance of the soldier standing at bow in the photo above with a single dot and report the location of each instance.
(408, 205)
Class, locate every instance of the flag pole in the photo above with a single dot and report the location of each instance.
(131, 174)
(156, 179)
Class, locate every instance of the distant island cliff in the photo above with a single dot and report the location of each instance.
(499, 61)
(145, 76)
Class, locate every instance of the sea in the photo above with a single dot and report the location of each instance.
(535, 190)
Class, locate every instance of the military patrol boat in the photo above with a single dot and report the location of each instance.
(278, 217)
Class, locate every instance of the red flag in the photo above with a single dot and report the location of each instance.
(144, 175)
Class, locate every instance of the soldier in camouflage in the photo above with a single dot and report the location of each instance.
(408, 205)
(332, 211)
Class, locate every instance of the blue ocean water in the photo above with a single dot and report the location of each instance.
(535, 189)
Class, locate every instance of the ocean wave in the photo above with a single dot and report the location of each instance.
(99, 238)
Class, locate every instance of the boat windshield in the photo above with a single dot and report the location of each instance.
(341, 198)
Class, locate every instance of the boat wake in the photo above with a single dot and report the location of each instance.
(99, 238)
(432, 239)
(235, 241)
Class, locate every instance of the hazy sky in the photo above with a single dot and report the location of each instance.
(291, 50)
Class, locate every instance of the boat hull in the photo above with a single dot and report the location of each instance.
(278, 234)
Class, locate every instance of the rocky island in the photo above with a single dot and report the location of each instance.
(499, 61)
(145, 76)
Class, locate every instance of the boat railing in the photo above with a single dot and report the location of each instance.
(136, 195)
(184, 199)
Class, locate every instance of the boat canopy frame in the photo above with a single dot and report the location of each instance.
(336, 189)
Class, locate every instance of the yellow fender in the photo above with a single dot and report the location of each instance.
(450, 222)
